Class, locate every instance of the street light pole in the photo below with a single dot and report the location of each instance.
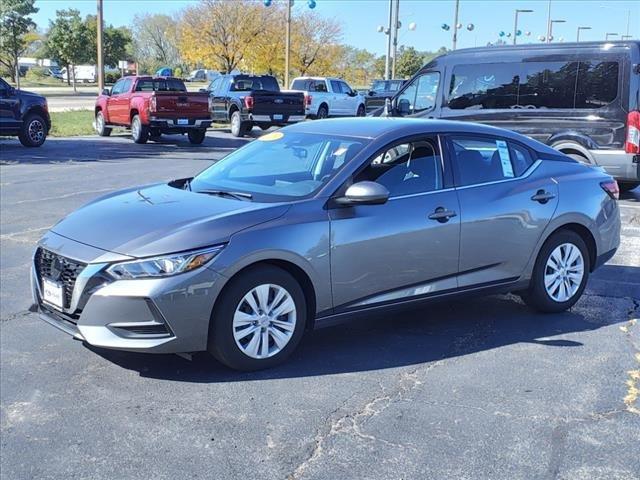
(455, 25)
(550, 36)
(606, 37)
(549, 21)
(396, 26)
(99, 42)
(387, 61)
(515, 26)
(287, 48)
(581, 28)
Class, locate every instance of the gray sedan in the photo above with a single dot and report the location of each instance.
(317, 222)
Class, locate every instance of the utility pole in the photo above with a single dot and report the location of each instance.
(287, 49)
(455, 25)
(387, 62)
(396, 26)
(99, 42)
(549, 21)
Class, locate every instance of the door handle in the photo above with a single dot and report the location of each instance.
(442, 215)
(542, 196)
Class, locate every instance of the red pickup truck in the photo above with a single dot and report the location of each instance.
(151, 106)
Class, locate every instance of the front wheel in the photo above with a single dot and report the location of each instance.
(101, 125)
(196, 137)
(259, 319)
(139, 132)
(560, 273)
(34, 131)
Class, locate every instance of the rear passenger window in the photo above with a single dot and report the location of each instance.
(484, 86)
(597, 84)
(548, 84)
(483, 159)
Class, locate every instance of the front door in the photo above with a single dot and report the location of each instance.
(506, 201)
(9, 108)
(405, 248)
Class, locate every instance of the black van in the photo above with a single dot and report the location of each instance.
(580, 98)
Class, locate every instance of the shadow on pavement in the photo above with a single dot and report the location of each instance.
(431, 333)
(117, 147)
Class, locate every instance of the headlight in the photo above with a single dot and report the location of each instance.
(164, 266)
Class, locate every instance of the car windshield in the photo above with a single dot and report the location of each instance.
(280, 166)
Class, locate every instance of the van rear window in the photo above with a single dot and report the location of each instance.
(572, 85)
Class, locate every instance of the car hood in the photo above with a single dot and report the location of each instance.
(160, 219)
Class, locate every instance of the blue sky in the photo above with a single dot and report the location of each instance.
(360, 18)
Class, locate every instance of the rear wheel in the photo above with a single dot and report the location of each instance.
(34, 131)
(560, 274)
(628, 186)
(361, 111)
(196, 137)
(101, 125)
(139, 132)
(259, 320)
(323, 112)
(238, 127)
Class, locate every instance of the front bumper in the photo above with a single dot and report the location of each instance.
(624, 167)
(165, 315)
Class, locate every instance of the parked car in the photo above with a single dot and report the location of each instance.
(329, 97)
(54, 72)
(319, 221)
(580, 98)
(83, 73)
(152, 106)
(202, 75)
(379, 91)
(248, 100)
(24, 115)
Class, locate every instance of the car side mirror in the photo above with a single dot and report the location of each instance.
(364, 193)
(106, 91)
(404, 107)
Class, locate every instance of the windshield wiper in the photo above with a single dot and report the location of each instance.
(224, 193)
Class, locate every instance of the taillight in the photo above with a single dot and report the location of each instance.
(152, 104)
(307, 100)
(632, 145)
(248, 102)
(611, 187)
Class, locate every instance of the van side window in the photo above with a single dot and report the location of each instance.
(597, 84)
(484, 86)
(419, 95)
(481, 159)
(548, 84)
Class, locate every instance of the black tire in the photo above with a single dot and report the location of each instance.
(537, 296)
(196, 137)
(238, 127)
(361, 111)
(155, 134)
(264, 126)
(101, 125)
(34, 131)
(579, 158)
(628, 186)
(139, 132)
(323, 112)
(222, 343)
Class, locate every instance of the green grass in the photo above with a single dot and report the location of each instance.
(71, 124)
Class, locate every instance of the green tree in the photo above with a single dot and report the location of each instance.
(15, 24)
(408, 62)
(155, 39)
(115, 44)
(68, 41)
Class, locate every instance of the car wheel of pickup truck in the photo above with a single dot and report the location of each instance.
(323, 112)
(34, 131)
(361, 111)
(196, 137)
(238, 127)
(139, 132)
(101, 128)
(155, 134)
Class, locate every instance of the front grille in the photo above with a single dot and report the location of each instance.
(59, 269)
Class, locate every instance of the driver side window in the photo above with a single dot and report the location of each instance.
(117, 88)
(420, 94)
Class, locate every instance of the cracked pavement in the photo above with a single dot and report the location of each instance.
(476, 389)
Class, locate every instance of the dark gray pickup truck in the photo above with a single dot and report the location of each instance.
(246, 101)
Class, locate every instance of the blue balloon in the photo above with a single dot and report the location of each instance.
(312, 4)
(501, 34)
(267, 3)
(519, 32)
(445, 27)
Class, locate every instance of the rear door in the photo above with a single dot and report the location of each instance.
(506, 202)
(406, 248)
(350, 100)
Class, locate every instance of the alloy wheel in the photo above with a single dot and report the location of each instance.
(264, 321)
(564, 272)
(36, 131)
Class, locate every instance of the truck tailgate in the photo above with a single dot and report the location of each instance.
(182, 104)
(285, 103)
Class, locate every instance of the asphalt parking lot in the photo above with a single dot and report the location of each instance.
(479, 389)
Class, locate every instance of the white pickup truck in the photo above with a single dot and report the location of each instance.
(329, 97)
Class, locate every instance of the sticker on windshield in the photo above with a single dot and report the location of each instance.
(270, 137)
(505, 161)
